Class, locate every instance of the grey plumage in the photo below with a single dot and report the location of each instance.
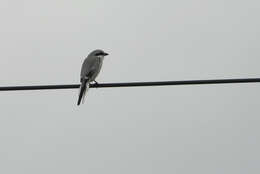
(89, 71)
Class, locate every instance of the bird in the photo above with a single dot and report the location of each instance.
(89, 71)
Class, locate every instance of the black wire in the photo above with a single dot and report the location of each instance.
(132, 84)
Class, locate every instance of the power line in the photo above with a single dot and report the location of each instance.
(132, 84)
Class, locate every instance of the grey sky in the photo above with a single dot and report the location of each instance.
(191, 129)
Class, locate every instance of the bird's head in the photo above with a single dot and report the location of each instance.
(99, 53)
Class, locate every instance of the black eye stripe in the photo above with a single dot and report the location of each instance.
(99, 54)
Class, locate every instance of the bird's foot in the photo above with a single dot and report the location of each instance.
(96, 83)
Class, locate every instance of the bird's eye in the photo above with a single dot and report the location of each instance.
(99, 54)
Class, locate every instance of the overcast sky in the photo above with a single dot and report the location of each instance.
(178, 129)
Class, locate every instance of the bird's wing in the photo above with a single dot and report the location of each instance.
(88, 66)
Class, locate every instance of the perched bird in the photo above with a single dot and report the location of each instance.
(89, 71)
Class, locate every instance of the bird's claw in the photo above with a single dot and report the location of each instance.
(96, 83)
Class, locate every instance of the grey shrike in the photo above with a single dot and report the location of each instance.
(89, 71)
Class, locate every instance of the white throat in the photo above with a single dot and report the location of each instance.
(101, 58)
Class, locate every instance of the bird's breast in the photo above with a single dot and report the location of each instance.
(98, 68)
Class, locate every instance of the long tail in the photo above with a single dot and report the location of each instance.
(83, 89)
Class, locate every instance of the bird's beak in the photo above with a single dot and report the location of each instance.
(105, 54)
